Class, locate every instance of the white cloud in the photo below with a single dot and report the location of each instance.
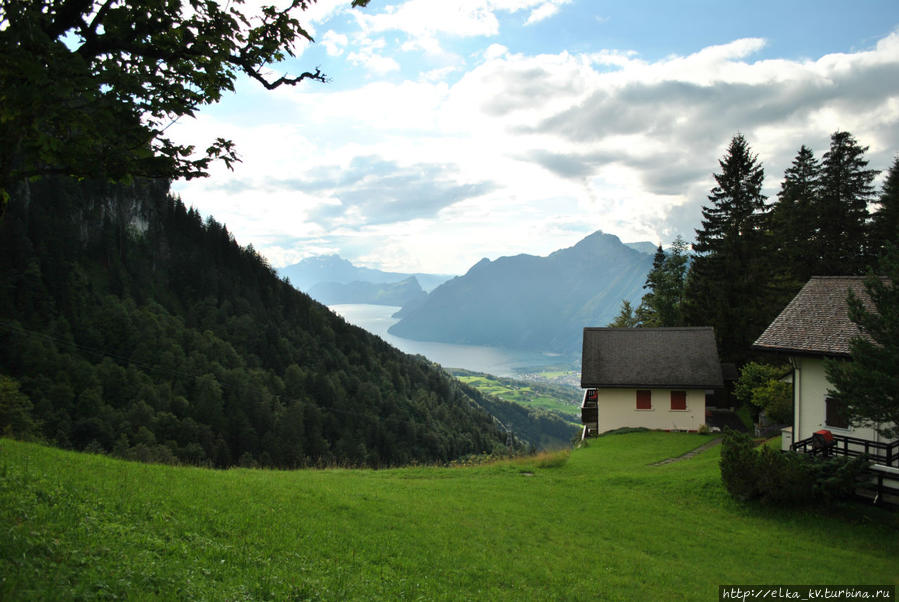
(529, 153)
(334, 42)
(373, 62)
(369, 55)
(425, 17)
(495, 51)
(424, 22)
(545, 11)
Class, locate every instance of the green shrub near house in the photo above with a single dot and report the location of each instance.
(772, 477)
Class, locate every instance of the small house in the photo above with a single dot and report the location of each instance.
(655, 378)
(814, 326)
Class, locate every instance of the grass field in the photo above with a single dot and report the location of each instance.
(600, 524)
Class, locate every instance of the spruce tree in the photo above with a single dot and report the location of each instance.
(885, 222)
(662, 305)
(842, 208)
(793, 223)
(727, 282)
(646, 313)
(867, 386)
(626, 317)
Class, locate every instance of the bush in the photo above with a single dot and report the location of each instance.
(761, 385)
(777, 478)
(625, 430)
(16, 418)
(739, 468)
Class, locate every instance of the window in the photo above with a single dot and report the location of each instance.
(644, 399)
(678, 400)
(835, 414)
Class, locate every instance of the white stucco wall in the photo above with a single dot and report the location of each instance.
(618, 409)
(810, 410)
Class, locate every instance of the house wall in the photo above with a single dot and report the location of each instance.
(809, 409)
(617, 409)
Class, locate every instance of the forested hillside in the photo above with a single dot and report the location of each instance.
(129, 325)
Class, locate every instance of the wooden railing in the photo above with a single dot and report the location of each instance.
(590, 414)
(886, 454)
(883, 474)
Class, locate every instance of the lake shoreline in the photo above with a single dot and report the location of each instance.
(509, 363)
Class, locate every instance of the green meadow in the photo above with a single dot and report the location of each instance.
(600, 522)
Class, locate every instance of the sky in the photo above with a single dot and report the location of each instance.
(450, 131)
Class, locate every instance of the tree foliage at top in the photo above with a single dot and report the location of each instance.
(88, 87)
(662, 305)
(846, 188)
(626, 318)
(763, 387)
(727, 286)
(885, 221)
(867, 386)
(794, 219)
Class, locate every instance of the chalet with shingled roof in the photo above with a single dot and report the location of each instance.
(655, 378)
(815, 325)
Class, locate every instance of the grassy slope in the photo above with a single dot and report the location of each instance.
(604, 524)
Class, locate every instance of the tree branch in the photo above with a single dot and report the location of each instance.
(67, 16)
(283, 80)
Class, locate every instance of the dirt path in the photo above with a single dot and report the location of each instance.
(690, 453)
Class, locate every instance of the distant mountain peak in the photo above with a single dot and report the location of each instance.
(643, 246)
(313, 272)
(530, 302)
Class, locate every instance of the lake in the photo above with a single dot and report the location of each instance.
(376, 319)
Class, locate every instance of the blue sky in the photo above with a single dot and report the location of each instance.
(452, 131)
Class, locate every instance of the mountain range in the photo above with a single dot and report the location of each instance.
(530, 302)
(320, 270)
(404, 292)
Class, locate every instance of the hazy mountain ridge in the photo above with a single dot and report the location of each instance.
(530, 302)
(389, 293)
(313, 271)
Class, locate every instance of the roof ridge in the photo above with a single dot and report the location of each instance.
(649, 328)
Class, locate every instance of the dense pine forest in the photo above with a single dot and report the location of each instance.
(752, 254)
(129, 325)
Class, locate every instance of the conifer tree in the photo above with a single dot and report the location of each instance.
(793, 222)
(626, 318)
(646, 310)
(662, 305)
(885, 222)
(728, 279)
(842, 208)
(867, 386)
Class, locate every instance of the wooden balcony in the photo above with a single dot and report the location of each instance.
(882, 485)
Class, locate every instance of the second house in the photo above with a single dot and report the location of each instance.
(656, 378)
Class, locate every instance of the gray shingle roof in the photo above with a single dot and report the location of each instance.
(678, 358)
(817, 320)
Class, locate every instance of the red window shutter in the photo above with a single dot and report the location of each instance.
(678, 400)
(644, 399)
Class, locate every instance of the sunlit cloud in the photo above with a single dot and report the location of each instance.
(445, 152)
